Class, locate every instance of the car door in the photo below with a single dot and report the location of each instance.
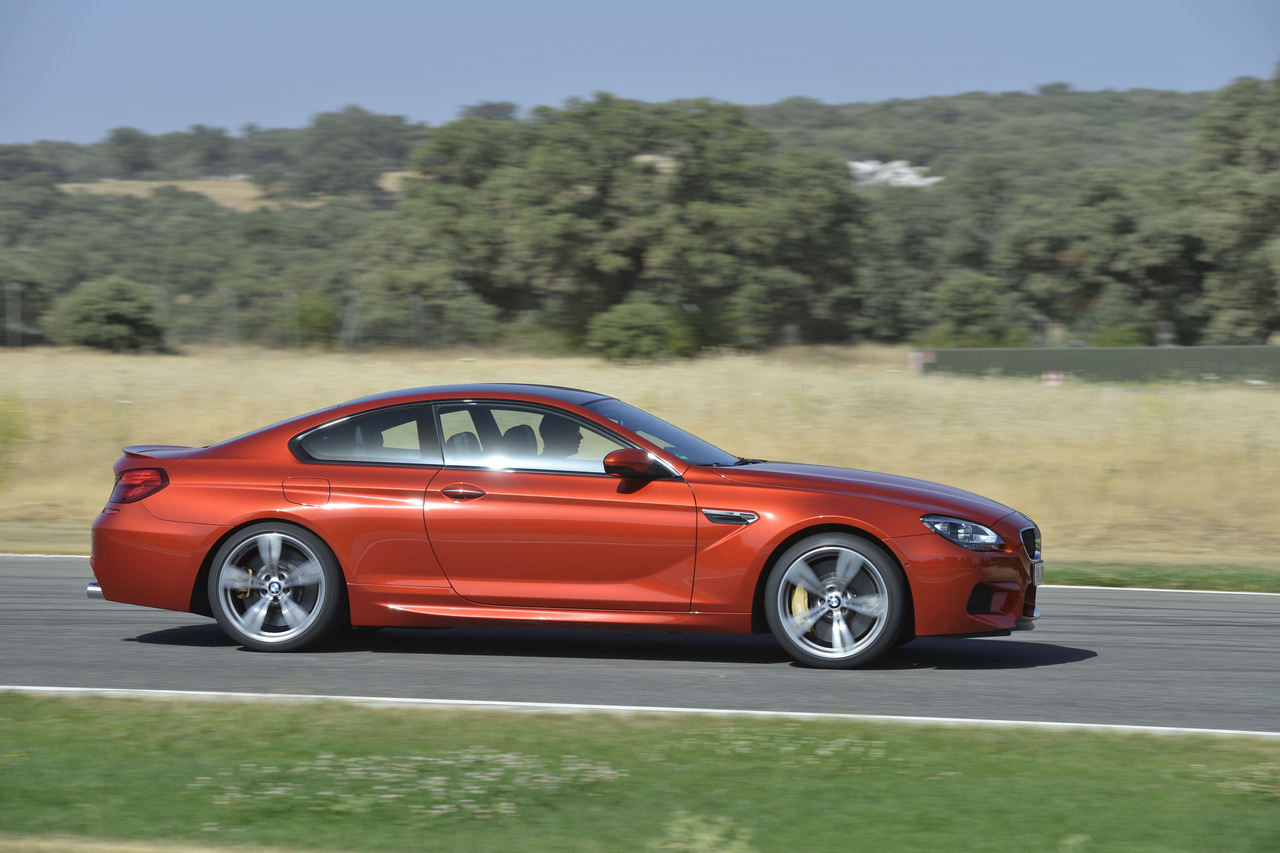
(362, 490)
(521, 515)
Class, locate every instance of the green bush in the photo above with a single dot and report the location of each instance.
(318, 318)
(1119, 319)
(465, 318)
(632, 330)
(974, 310)
(113, 314)
(1123, 335)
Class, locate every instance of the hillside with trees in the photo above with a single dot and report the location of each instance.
(339, 152)
(1037, 138)
(636, 229)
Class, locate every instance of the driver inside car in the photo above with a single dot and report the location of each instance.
(560, 437)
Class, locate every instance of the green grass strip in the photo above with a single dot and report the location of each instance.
(1226, 578)
(341, 777)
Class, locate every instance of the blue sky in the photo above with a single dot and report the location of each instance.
(74, 69)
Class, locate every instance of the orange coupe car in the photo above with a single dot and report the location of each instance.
(530, 504)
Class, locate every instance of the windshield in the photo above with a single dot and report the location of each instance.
(672, 439)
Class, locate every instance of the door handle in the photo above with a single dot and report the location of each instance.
(462, 492)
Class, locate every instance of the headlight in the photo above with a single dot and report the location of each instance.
(966, 534)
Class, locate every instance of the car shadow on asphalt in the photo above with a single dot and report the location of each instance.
(926, 653)
(980, 654)
(507, 642)
(203, 635)
(585, 644)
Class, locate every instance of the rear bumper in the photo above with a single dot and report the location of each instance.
(140, 559)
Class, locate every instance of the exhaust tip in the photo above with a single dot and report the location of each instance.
(1027, 623)
(94, 591)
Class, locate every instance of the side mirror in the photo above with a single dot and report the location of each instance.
(628, 463)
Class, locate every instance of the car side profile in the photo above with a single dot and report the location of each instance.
(530, 504)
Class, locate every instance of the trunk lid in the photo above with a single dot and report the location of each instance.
(153, 456)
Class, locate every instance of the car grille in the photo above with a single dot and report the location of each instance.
(1031, 542)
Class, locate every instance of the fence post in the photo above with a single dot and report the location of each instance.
(291, 333)
(162, 313)
(350, 334)
(417, 322)
(230, 317)
(13, 313)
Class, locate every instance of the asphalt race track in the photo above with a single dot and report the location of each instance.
(1123, 657)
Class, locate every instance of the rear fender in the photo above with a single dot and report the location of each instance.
(200, 590)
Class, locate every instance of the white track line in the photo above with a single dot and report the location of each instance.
(1046, 586)
(58, 556)
(571, 708)
(1158, 589)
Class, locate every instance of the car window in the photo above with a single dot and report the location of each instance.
(511, 436)
(400, 435)
(459, 435)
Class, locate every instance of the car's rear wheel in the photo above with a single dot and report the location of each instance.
(275, 587)
(836, 601)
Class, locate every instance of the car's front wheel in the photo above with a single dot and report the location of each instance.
(836, 601)
(275, 587)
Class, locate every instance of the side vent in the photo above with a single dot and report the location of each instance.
(729, 516)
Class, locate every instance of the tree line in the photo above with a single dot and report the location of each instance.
(340, 152)
(637, 229)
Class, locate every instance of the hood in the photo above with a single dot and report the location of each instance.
(928, 496)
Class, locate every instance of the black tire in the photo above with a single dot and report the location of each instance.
(836, 601)
(276, 587)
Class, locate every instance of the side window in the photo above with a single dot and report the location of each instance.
(401, 435)
(529, 438)
(459, 435)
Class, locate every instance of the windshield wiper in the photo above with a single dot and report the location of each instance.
(742, 460)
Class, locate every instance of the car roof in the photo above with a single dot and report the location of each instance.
(576, 396)
(478, 390)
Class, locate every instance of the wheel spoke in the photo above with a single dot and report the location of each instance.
(292, 613)
(841, 639)
(846, 570)
(806, 621)
(269, 550)
(234, 577)
(256, 615)
(868, 605)
(308, 574)
(802, 575)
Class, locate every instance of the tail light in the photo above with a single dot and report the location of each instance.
(138, 483)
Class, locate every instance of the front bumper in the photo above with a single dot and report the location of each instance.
(958, 591)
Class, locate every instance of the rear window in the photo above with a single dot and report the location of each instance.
(401, 435)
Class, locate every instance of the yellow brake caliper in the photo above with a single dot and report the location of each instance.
(799, 603)
(244, 593)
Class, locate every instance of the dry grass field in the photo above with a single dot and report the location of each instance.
(236, 193)
(1158, 474)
